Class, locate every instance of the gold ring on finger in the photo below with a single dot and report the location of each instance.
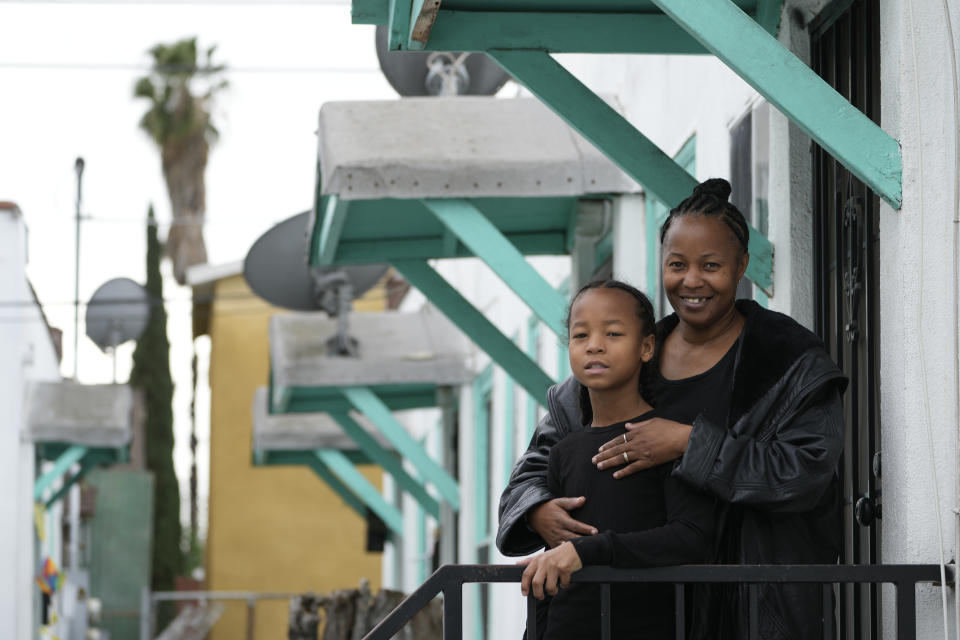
(625, 457)
(624, 438)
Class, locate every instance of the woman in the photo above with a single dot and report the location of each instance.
(748, 403)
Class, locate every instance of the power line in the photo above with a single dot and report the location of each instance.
(187, 2)
(145, 68)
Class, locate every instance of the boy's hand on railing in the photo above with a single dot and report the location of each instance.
(548, 570)
(552, 522)
(646, 444)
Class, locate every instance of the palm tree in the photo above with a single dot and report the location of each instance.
(181, 92)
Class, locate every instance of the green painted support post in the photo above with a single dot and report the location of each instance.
(348, 474)
(320, 468)
(390, 463)
(334, 215)
(485, 241)
(598, 122)
(458, 309)
(61, 465)
(768, 15)
(843, 130)
(366, 402)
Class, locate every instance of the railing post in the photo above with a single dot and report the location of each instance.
(251, 612)
(605, 611)
(453, 610)
(906, 610)
(754, 606)
(828, 611)
(531, 617)
(679, 599)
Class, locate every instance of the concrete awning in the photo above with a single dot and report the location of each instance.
(458, 147)
(403, 355)
(91, 415)
(76, 427)
(303, 431)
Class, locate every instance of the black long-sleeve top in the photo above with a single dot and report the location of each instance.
(646, 519)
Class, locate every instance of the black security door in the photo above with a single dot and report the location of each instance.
(845, 52)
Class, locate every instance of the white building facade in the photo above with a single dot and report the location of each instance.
(29, 356)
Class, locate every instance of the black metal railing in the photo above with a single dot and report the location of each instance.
(449, 580)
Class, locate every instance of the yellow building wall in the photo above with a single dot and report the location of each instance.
(278, 529)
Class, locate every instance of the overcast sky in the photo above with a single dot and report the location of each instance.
(67, 71)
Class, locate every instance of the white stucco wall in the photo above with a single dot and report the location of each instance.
(918, 367)
(28, 355)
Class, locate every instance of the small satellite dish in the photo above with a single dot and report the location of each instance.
(276, 269)
(425, 73)
(118, 311)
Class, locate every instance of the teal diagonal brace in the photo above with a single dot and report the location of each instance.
(619, 140)
(390, 463)
(366, 402)
(799, 93)
(334, 215)
(348, 474)
(477, 327)
(60, 466)
(320, 468)
(90, 459)
(485, 241)
(598, 122)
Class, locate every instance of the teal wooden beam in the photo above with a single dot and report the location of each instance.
(760, 268)
(768, 15)
(366, 402)
(836, 125)
(389, 461)
(370, 12)
(364, 251)
(399, 35)
(598, 122)
(91, 459)
(477, 327)
(567, 32)
(485, 241)
(60, 466)
(334, 215)
(348, 474)
(311, 460)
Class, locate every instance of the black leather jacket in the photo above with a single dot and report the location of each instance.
(774, 464)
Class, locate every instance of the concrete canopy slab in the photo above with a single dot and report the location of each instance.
(461, 146)
(79, 414)
(395, 349)
(303, 431)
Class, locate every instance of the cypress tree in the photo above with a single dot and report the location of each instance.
(151, 373)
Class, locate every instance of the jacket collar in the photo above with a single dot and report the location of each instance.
(769, 344)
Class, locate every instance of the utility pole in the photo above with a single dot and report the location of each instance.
(78, 165)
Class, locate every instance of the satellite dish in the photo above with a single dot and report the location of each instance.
(276, 269)
(426, 73)
(118, 311)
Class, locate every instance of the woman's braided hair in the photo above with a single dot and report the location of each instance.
(644, 309)
(710, 198)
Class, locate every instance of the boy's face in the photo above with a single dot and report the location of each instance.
(606, 347)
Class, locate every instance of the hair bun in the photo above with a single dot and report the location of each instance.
(716, 187)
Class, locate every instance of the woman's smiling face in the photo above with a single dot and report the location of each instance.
(702, 265)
